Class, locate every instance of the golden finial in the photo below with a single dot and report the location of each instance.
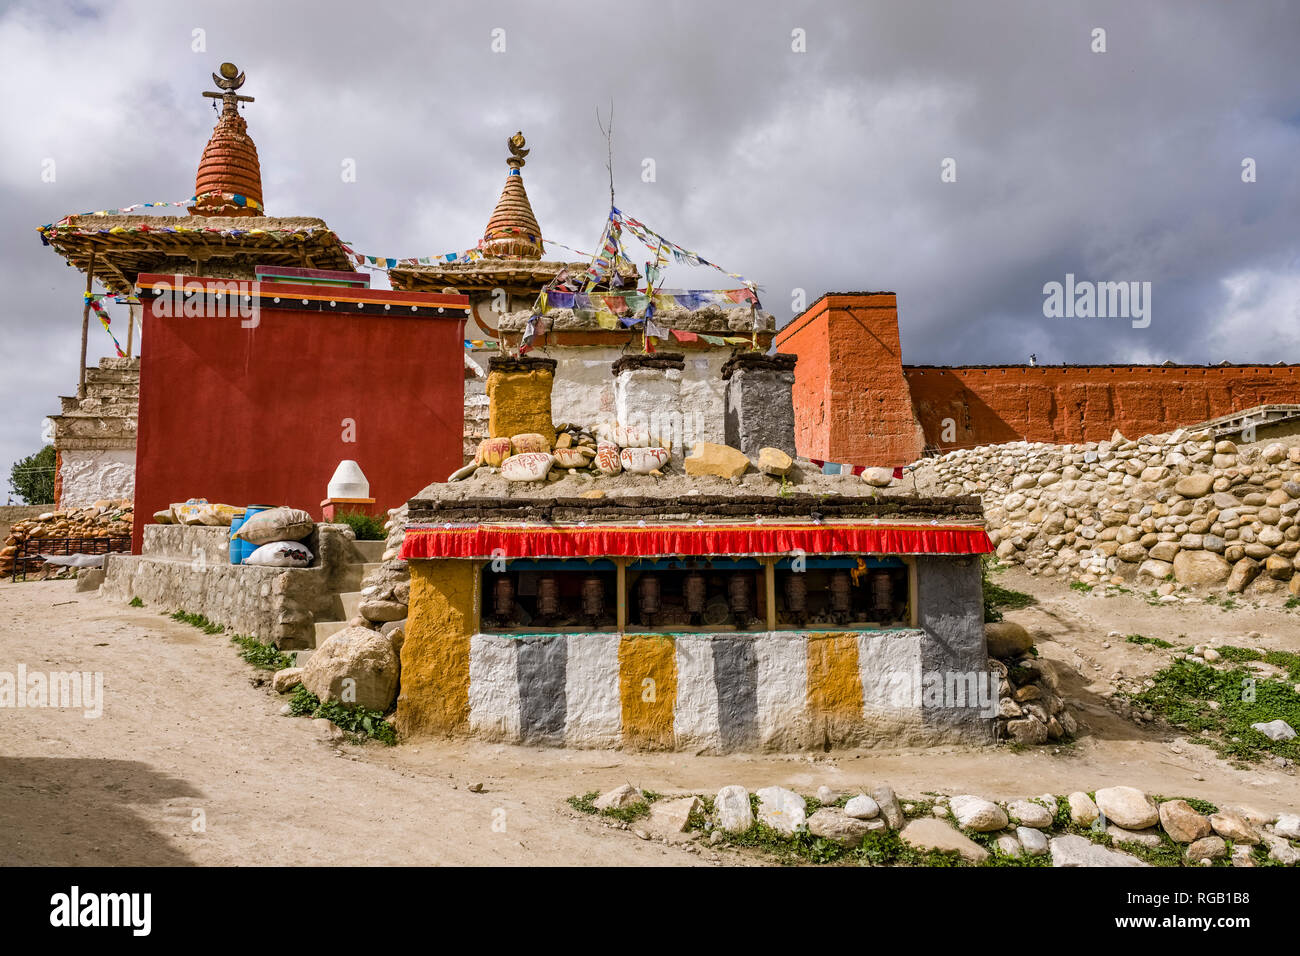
(517, 151)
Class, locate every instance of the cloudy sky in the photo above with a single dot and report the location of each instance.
(816, 170)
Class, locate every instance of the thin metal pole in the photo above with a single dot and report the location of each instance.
(85, 324)
(130, 329)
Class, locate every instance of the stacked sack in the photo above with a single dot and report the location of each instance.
(198, 511)
(278, 535)
(103, 519)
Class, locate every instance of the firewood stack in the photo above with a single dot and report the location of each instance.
(103, 519)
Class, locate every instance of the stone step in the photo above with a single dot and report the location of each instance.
(351, 600)
(300, 657)
(371, 551)
(114, 376)
(325, 629)
(352, 576)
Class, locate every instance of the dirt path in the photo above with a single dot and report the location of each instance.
(184, 730)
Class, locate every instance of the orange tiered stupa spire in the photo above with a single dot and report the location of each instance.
(513, 231)
(229, 171)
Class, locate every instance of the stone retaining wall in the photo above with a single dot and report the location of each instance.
(1162, 510)
(189, 569)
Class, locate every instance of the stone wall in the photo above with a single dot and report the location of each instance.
(189, 569)
(12, 514)
(1160, 511)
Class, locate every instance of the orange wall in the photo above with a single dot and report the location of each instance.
(851, 401)
(1086, 403)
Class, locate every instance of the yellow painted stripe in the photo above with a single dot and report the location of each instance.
(435, 654)
(834, 682)
(647, 686)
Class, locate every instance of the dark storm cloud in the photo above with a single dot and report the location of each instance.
(814, 171)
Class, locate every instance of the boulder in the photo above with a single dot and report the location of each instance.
(732, 809)
(381, 612)
(1030, 814)
(1128, 806)
(976, 813)
(285, 680)
(1288, 826)
(832, 823)
(1207, 848)
(673, 816)
(1243, 572)
(355, 667)
(1203, 568)
(775, 462)
(1182, 822)
(889, 806)
(1007, 639)
(1147, 838)
(1032, 840)
(782, 810)
(1075, 851)
(862, 807)
(709, 458)
(928, 833)
(607, 460)
(878, 477)
(1231, 825)
(1275, 729)
(620, 798)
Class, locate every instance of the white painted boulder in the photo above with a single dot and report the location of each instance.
(530, 466)
(642, 461)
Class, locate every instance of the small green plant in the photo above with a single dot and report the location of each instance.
(268, 657)
(1081, 586)
(997, 598)
(1292, 603)
(135, 602)
(198, 620)
(365, 527)
(1153, 641)
(356, 720)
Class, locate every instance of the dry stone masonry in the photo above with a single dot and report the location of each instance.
(1159, 511)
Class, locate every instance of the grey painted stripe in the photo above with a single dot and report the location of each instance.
(735, 670)
(542, 699)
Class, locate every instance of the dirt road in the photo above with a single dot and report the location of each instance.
(193, 764)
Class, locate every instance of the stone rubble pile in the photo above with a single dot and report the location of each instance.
(1031, 709)
(1060, 828)
(1163, 510)
(386, 591)
(104, 518)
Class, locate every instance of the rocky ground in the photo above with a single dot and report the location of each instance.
(168, 775)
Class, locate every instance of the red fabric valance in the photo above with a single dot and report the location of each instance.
(720, 540)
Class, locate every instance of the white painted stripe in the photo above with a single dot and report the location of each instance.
(782, 689)
(494, 687)
(594, 711)
(695, 712)
(889, 663)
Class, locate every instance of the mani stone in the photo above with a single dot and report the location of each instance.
(928, 833)
(1128, 806)
(782, 810)
(732, 808)
(1182, 822)
(759, 401)
(1074, 850)
(976, 813)
(708, 458)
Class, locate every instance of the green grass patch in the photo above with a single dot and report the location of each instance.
(266, 656)
(1286, 660)
(1153, 641)
(135, 602)
(354, 720)
(1081, 586)
(197, 620)
(1183, 690)
(996, 597)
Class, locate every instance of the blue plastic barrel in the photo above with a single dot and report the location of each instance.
(239, 548)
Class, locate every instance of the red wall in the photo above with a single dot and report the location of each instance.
(1086, 403)
(851, 401)
(255, 415)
